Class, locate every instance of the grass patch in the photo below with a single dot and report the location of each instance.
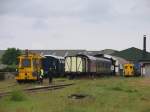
(17, 95)
(75, 109)
(117, 88)
(128, 90)
(146, 110)
(105, 95)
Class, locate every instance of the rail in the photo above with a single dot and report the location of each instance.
(37, 89)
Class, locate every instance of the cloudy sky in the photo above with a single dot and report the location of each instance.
(74, 24)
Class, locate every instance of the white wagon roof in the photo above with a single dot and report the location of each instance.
(57, 57)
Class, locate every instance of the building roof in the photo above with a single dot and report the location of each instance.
(64, 53)
(133, 54)
(108, 51)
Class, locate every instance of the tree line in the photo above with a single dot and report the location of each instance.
(10, 56)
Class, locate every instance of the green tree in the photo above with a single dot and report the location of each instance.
(10, 56)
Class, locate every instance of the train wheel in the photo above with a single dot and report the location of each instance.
(70, 77)
(20, 81)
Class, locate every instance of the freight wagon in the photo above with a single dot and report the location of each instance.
(81, 65)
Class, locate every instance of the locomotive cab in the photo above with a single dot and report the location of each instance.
(28, 67)
(128, 70)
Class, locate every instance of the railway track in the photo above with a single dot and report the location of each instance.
(38, 89)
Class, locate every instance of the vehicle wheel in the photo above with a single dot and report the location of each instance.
(70, 77)
(19, 81)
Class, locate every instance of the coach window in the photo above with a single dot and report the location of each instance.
(102, 64)
(105, 65)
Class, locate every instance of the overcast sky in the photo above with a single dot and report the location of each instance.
(74, 24)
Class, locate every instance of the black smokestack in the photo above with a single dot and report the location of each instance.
(144, 43)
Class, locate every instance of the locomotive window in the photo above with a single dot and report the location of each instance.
(26, 63)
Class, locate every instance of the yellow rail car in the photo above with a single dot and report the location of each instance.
(29, 67)
(128, 69)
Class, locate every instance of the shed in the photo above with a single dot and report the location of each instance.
(145, 68)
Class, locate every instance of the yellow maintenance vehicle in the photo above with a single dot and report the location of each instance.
(128, 69)
(29, 67)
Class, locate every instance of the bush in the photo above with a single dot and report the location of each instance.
(10, 56)
(2, 76)
(9, 68)
(117, 88)
(17, 95)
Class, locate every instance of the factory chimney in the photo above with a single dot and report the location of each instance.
(144, 43)
(144, 47)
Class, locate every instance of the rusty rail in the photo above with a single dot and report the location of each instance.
(38, 89)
